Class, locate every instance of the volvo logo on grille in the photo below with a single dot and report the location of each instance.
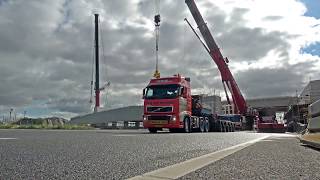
(159, 108)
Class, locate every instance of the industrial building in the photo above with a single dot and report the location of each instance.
(310, 93)
(134, 113)
(297, 114)
(125, 114)
(295, 108)
(212, 102)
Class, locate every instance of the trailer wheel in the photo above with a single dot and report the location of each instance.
(152, 130)
(206, 125)
(220, 127)
(224, 126)
(187, 127)
(212, 125)
(201, 125)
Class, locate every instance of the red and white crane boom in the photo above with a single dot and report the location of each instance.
(228, 81)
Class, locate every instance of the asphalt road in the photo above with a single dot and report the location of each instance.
(272, 158)
(102, 154)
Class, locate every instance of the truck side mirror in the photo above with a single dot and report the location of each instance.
(144, 92)
(183, 92)
(180, 91)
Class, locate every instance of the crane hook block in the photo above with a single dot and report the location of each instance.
(157, 19)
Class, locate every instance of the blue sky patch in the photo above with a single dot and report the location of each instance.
(313, 7)
(3, 1)
(313, 49)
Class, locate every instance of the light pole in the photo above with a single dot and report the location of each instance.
(298, 106)
(11, 109)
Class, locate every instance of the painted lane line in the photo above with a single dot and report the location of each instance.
(124, 135)
(7, 138)
(183, 168)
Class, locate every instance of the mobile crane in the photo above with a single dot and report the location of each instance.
(238, 101)
(249, 116)
(168, 102)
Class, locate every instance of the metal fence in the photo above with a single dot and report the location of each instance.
(119, 125)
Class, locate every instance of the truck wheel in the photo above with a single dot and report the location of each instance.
(221, 127)
(202, 124)
(206, 125)
(224, 126)
(187, 128)
(152, 130)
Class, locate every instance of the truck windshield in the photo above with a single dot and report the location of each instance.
(162, 91)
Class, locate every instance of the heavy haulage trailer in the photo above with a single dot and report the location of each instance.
(168, 102)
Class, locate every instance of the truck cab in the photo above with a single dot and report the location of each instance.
(167, 103)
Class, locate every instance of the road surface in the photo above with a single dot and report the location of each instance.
(107, 154)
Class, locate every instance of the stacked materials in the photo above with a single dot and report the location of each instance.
(311, 136)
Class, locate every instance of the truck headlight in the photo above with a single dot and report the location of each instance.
(145, 118)
(174, 118)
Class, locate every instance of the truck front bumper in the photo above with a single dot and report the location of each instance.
(162, 124)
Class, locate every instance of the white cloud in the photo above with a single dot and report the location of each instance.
(46, 49)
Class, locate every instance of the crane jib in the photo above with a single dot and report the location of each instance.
(215, 53)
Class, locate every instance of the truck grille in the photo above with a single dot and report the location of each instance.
(159, 108)
(159, 118)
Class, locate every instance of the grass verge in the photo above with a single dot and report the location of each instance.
(45, 126)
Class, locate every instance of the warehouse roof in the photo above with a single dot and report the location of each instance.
(130, 113)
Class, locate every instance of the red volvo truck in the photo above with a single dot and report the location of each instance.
(168, 103)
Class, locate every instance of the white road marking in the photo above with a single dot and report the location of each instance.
(7, 138)
(180, 169)
(124, 135)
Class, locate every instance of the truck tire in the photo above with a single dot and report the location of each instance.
(187, 127)
(206, 125)
(220, 127)
(224, 127)
(201, 125)
(212, 125)
(152, 130)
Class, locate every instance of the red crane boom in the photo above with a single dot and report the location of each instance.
(228, 81)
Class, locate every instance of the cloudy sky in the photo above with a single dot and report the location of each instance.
(46, 50)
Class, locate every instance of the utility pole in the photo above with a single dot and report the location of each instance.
(10, 117)
(96, 36)
(298, 106)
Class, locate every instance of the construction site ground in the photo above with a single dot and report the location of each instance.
(271, 158)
